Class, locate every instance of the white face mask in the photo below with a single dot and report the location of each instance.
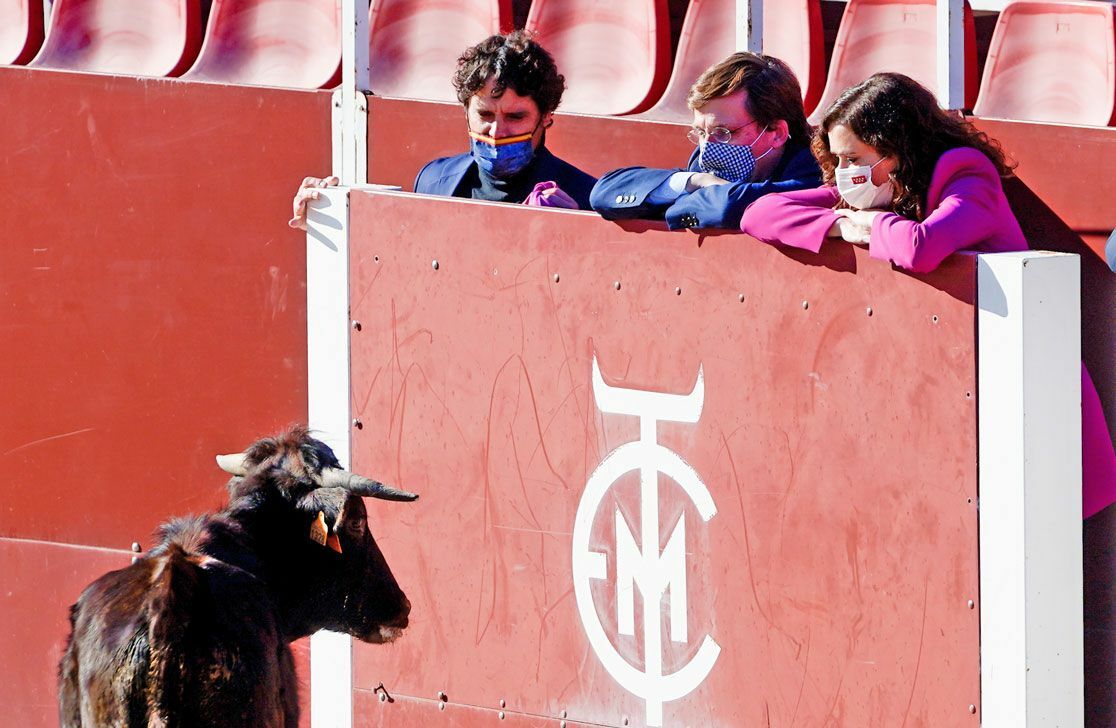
(856, 187)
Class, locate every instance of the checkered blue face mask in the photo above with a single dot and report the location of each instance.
(730, 162)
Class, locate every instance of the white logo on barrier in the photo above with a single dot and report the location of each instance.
(653, 572)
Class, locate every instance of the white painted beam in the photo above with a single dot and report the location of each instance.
(1029, 407)
(749, 25)
(327, 364)
(951, 54)
(349, 102)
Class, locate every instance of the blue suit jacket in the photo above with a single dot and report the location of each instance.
(622, 193)
(445, 176)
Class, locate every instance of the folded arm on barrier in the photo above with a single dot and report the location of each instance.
(966, 215)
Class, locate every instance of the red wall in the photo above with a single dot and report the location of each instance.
(839, 449)
(154, 315)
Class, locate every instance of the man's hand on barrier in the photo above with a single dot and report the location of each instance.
(548, 194)
(307, 191)
(703, 179)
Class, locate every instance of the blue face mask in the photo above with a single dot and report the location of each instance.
(730, 162)
(502, 158)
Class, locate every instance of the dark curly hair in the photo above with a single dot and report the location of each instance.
(772, 87)
(901, 119)
(514, 61)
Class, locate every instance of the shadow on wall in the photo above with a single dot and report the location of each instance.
(1046, 231)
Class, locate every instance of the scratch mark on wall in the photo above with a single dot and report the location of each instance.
(51, 438)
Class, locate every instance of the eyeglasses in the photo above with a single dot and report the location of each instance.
(718, 134)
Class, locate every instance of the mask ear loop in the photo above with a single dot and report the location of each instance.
(770, 149)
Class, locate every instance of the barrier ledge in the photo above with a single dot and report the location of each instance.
(508, 363)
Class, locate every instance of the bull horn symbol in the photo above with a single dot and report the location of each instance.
(360, 485)
(233, 464)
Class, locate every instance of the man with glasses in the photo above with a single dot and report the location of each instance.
(751, 138)
(510, 87)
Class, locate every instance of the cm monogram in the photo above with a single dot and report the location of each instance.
(642, 566)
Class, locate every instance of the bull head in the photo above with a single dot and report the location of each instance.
(337, 481)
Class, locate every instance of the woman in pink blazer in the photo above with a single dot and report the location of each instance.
(915, 183)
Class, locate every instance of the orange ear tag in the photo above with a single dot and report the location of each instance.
(333, 542)
(318, 530)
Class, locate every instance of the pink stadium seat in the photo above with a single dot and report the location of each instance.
(415, 43)
(891, 35)
(21, 30)
(614, 54)
(292, 43)
(132, 37)
(1052, 61)
(792, 31)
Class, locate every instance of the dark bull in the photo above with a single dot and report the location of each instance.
(197, 632)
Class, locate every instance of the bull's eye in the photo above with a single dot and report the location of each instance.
(355, 526)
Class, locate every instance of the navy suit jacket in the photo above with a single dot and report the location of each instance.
(445, 176)
(622, 193)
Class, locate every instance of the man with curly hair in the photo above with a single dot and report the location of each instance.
(510, 87)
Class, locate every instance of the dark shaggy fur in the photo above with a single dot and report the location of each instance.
(197, 631)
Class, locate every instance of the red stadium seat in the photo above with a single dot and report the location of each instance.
(292, 43)
(792, 31)
(415, 43)
(21, 30)
(1052, 61)
(132, 37)
(891, 35)
(615, 55)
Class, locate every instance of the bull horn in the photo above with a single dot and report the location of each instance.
(233, 464)
(360, 485)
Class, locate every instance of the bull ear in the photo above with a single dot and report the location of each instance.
(328, 507)
(235, 464)
(360, 485)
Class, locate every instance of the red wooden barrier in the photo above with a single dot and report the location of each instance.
(154, 314)
(41, 581)
(836, 439)
(153, 293)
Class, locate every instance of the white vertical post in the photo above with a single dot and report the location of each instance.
(951, 54)
(349, 102)
(1031, 622)
(327, 365)
(749, 25)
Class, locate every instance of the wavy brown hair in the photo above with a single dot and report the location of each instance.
(901, 119)
(514, 61)
(772, 88)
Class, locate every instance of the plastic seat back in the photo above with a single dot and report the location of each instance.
(792, 31)
(415, 44)
(1051, 61)
(291, 43)
(615, 55)
(899, 36)
(128, 37)
(21, 30)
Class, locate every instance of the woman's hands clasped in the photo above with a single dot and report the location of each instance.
(854, 226)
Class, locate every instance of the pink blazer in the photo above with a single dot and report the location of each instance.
(968, 211)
